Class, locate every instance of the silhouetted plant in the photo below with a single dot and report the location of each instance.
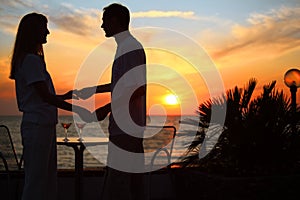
(257, 137)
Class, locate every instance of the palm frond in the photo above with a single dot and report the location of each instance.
(259, 130)
(247, 94)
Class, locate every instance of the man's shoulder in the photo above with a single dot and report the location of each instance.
(132, 43)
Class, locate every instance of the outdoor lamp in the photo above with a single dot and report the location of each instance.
(292, 80)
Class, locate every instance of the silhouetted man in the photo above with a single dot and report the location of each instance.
(128, 107)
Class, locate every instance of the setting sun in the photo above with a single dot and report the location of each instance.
(171, 99)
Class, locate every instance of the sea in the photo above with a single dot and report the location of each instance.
(95, 156)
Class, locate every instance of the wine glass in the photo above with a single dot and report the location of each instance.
(66, 127)
(80, 126)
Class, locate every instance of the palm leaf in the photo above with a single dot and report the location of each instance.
(259, 130)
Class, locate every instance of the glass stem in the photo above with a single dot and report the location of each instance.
(66, 133)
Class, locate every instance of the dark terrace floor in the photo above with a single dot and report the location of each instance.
(176, 184)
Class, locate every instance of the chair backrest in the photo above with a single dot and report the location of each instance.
(169, 136)
(167, 150)
(7, 151)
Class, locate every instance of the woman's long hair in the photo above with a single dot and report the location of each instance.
(27, 40)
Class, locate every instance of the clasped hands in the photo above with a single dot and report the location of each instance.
(98, 115)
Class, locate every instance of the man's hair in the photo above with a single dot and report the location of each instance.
(120, 12)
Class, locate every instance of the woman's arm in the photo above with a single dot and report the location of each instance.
(43, 91)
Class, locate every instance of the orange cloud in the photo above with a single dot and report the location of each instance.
(264, 49)
(158, 13)
(271, 34)
(84, 22)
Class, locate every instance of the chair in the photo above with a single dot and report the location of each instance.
(10, 164)
(8, 152)
(168, 153)
(164, 149)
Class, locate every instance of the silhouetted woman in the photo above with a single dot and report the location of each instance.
(37, 100)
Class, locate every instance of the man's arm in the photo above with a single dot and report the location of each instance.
(103, 88)
(69, 95)
(87, 92)
(103, 111)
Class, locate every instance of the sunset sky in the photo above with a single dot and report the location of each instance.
(237, 39)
